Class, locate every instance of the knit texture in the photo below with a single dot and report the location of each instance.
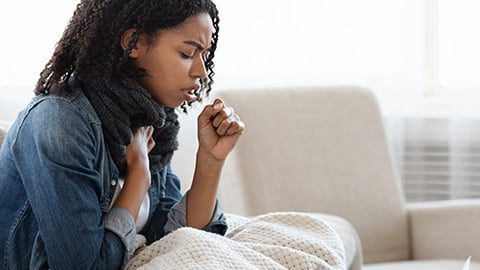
(272, 241)
(122, 109)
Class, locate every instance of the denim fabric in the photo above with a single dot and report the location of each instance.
(57, 181)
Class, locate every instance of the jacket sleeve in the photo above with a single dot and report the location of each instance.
(55, 150)
(171, 212)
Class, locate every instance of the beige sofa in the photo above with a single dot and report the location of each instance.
(324, 150)
(3, 131)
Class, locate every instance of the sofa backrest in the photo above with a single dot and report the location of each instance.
(318, 150)
(3, 132)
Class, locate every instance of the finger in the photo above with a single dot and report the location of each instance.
(209, 112)
(224, 114)
(223, 127)
(150, 130)
(236, 126)
(151, 144)
(231, 125)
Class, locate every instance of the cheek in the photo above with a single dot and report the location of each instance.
(156, 76)
(159, 82)
(163, 71)
(167, 70)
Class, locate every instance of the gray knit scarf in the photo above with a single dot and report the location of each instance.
(122, 109)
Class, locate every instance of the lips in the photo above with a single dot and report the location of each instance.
(189, 96)
(189, 93)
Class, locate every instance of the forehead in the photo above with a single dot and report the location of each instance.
(198, 27)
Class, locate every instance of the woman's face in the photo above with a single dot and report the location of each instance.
(174, 61)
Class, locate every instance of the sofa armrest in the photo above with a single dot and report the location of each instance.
(445, 229)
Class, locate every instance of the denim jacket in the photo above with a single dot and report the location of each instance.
(57, 181)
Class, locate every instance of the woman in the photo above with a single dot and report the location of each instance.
(86, 165)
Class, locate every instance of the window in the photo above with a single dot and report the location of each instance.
(459, 46)
(421, 58)
(374, 43)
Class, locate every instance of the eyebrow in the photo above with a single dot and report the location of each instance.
(194, 44)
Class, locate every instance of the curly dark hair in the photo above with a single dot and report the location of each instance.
(90, 45)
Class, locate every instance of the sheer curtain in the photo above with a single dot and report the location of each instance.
(420, 57)
(435, 137)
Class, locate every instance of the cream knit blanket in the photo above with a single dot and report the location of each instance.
(271, 241)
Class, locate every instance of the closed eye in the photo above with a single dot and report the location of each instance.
(186, 56)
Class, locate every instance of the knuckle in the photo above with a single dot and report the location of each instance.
(228, 111)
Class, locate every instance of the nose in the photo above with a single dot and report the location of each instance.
(198, 69)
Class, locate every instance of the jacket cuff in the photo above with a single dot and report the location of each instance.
(121, 223)
(177, 218)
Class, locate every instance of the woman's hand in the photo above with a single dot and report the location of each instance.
(137, 179)
(137, 151)
(219, 129)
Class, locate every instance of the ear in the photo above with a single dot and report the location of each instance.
(125, 40)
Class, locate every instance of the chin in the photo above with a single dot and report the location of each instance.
(167, 103)
(172, 104)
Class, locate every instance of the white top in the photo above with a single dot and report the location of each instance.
(144, 208)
